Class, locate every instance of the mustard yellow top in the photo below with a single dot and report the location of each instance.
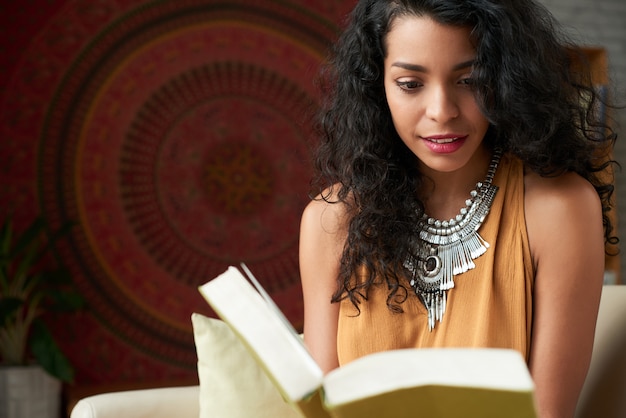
(490, 306)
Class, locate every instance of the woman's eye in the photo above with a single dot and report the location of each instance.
(408, 84)
(467, 81)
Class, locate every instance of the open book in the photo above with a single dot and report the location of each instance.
(407, 383)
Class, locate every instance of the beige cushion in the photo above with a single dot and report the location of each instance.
(231, 383)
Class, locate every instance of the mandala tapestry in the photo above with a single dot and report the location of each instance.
(176, 136)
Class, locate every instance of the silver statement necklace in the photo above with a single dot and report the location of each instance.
(449, 248)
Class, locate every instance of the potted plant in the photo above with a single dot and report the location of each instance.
(31, 285)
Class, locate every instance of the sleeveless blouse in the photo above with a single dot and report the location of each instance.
(490, 305)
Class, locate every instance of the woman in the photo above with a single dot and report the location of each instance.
(460, 201)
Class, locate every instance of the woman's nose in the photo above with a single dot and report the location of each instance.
(441, 105)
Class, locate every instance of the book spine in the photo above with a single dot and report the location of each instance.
(312, 407)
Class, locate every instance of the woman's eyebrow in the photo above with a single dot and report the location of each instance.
(421, 69)
(464, 65)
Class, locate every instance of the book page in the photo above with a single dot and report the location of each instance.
(274, 343)
(387, 371)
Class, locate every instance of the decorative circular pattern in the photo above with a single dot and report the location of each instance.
(195, 185)
(238, 179)
(178, 142)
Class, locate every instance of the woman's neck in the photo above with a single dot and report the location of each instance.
(444, 193)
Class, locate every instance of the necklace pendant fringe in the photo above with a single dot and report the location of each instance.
(447, 249)
(452, 259)
(435, 304)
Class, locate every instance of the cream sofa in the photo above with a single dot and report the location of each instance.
(604, 394)
(174, 402)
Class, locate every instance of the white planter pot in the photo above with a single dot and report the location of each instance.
(29, 392)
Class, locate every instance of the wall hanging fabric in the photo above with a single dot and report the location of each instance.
(176, 135)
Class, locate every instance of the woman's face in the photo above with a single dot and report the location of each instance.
(429, 91)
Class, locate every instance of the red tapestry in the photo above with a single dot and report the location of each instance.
(176, 135)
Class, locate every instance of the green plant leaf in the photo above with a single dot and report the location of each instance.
(57, 277)
(60, 293)
(30, 235)
(26, 275)
(8, 306)
(53, 237)
(65, 300)
(27, 261)
(48, 354)
(6, 236)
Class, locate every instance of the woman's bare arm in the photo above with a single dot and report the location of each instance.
(564, 221)
(322, 238)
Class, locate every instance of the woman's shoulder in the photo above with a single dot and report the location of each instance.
(326, 213)
(563, 190)
(560, 211)
(323, 233)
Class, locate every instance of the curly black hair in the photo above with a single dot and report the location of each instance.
(541, 108)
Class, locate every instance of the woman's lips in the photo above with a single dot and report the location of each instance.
(444, 144)
(444, 139)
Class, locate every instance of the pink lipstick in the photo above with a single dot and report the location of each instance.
(444, 143)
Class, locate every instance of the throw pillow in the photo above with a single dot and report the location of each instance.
(232, 384)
